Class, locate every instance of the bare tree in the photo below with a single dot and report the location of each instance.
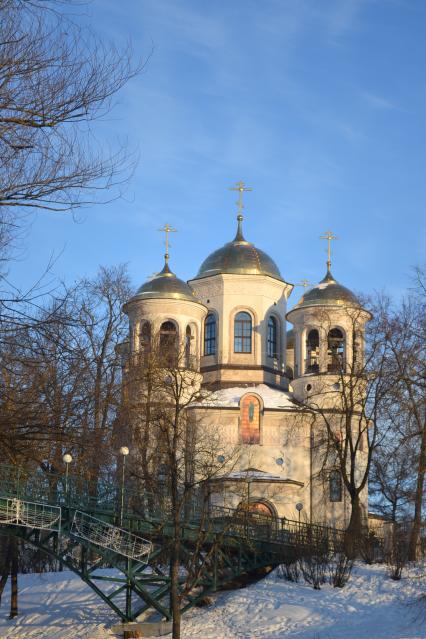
(347, 407)
(406, 333)
(174, 454)
(55, 78)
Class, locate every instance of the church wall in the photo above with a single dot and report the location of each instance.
(282, 436)
(260, 296)
(157, 311)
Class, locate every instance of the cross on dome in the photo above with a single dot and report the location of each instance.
(166, 230)
(241, 188)
(329, 236)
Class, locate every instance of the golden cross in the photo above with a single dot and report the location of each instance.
(167, 229)
(328, 235)
(304, 283)
(241, 188)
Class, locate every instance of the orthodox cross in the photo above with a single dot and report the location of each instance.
(305, 283)
(328, 235)
(241, 188)
(167, 229)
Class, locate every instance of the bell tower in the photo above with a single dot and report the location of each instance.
(329, 324)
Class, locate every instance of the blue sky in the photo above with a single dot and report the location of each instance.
(318, 105)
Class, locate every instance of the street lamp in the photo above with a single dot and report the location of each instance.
(124, 451)
(67, 459)
(299, 508)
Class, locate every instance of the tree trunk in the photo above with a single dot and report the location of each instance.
(418, 501)
(174, 592)
(3, 582)
(354, 529)
(14, 579)
(5, 564)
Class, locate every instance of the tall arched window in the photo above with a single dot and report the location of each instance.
(250, 419)
(272, 337)
(242, 333)
(335, 486)
(210, 335)
(357, 341)
(312, 351)
(168, 343)
(145, 338)
(188, 338)
(336, 351)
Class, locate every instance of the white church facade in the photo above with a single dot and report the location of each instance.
(261, 364)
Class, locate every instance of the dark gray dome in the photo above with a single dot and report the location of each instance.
(240, 257)
(167, 286)
(328, 293)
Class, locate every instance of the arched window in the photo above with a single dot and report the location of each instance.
(250, 419)
(312, 351)
(336, 351)
(168, 343)
(145, 338)
(210, 335)
(188, 338)
(335, 486)
(357, 341)
(272, 337)
(242, 333)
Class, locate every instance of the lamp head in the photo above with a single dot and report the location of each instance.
(67, 459)
(124, 451)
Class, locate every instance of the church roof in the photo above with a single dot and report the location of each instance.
(239, 257)
(230, 397)
(165, 285)
(328, 293)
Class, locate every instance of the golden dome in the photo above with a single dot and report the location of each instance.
(328, 293)
(239, 257)
(165, 285)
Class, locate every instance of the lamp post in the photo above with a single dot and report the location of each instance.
(67, 459)
(124, 451)
(299, 508)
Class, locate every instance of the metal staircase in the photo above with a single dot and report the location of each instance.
(84, 528)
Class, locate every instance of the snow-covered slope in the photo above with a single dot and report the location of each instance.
(371, 606)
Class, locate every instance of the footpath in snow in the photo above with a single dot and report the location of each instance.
(370, 606)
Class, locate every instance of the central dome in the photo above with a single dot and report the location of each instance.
(239, 257)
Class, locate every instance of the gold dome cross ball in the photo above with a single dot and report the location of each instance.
(167, 229)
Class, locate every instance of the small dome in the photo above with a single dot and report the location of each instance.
(240, 257)
(165, 285)
(328, 293)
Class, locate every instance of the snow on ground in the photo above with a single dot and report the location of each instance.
(371, 606)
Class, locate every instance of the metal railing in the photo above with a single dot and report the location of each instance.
(104, 495)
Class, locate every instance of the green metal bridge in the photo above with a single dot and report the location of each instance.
(119, 542)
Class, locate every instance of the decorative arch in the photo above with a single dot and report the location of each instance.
(243, 332)
(261, 507)
(250, 414)
(336, 348)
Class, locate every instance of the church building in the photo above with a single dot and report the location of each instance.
(262, 364)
